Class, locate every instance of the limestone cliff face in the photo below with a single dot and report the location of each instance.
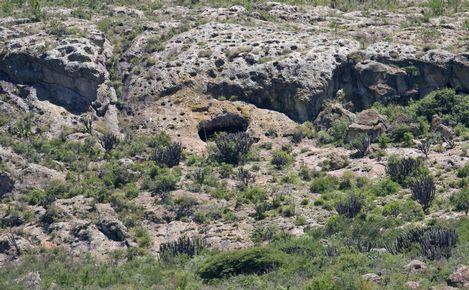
(66, 70)
(293, 73)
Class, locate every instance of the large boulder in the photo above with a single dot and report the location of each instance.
(64, 67)
(460, 277)
(368, 122)
(331, 113)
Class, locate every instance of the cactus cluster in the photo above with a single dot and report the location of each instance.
(433, 242)
(232, 147)
(169, 156)
(351, 206)
(183, 245)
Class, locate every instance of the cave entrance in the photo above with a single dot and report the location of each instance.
(229, 123)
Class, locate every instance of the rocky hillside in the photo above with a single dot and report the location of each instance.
(241, 144)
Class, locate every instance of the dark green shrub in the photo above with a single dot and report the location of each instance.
(323, 184)
(350, 206)
(280, 159)
(232, 148)
(160, 181)
(406, 210)
(169, 155)
(453, 108)
(250, 261)
(184, 245)
(436, 243)
(423, 191)
(383, 141)
(433, 242)
(385, 187)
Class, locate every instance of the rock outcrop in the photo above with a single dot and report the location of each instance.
(64, 65)
(460, 277)
(6, 184)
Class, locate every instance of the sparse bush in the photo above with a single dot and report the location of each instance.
(423, 191)
(245, 176)
(169, 156)
(350, 206)
(250, 261)
(280, 159)
(232, 148)
(323, 184)
(424, 146)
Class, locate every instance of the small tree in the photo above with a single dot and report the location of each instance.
(423, 191)
(350, 206)
(424, 146)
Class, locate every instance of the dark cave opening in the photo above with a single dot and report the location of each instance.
(229, 123)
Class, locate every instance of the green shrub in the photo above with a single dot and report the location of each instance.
(407, 210)
(460, 200)
(280, 159)
(323, 184)
(232, 148)
(385, 187)
(463, 172)
(405, 170)
(254, 194)
(453, 108)
(250, 261)
(160, 181)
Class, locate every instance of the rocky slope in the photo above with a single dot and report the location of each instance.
(192, 73)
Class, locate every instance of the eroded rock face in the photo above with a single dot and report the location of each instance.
(6, 183)
(368, 122)
(66, 70)
(271, 68)
(293, 73)
(460, 277)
